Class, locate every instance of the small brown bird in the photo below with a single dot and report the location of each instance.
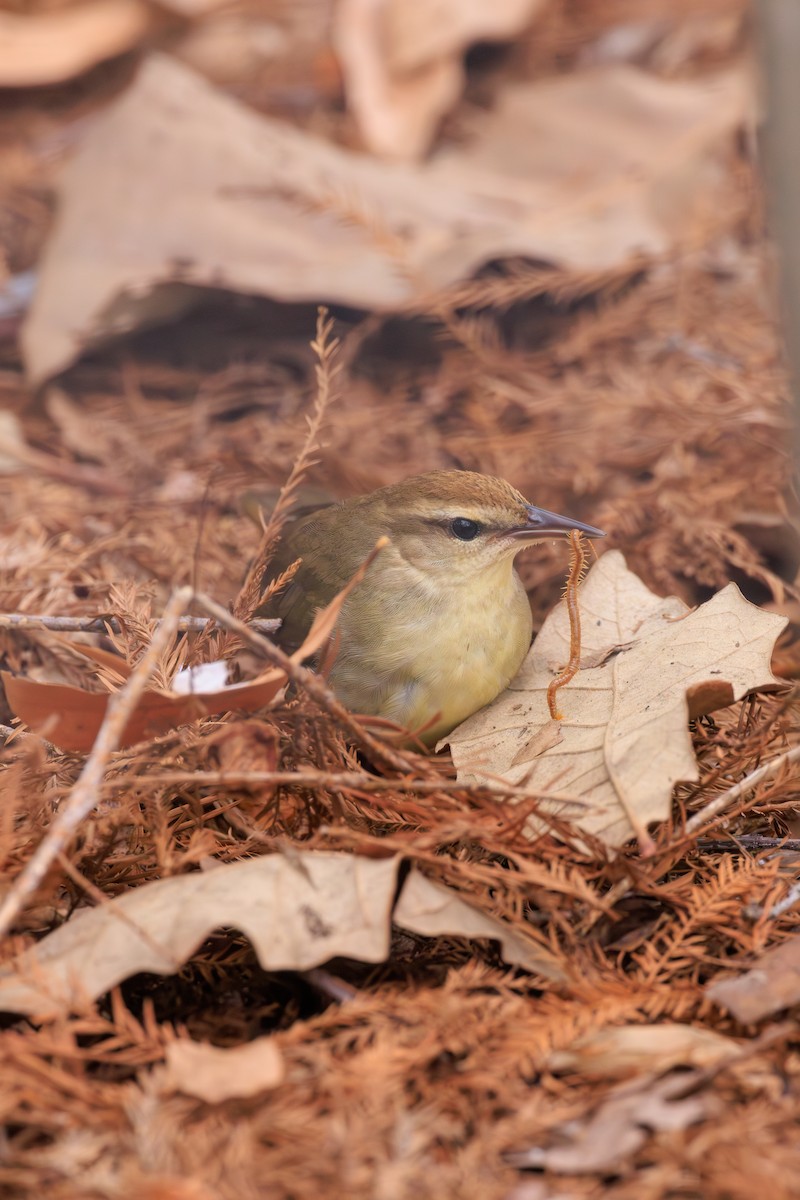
(441, 623)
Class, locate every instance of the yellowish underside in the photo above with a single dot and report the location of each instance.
(444, 653)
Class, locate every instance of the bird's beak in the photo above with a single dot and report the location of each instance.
(542, 524)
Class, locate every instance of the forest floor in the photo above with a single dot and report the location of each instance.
(647, 395)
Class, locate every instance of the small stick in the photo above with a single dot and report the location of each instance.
(85, 794)
(577, 564)
(729, 797)
(747, 841)
(101, 624)
(344, 781)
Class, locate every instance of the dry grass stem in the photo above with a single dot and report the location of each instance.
(325, 347)
(60, 624)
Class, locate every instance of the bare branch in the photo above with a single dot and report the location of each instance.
(57, 624)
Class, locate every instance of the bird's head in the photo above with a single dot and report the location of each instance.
(454, 524)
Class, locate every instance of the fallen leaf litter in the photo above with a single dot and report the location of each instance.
(645, 395)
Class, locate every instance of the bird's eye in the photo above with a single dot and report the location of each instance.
(464, 529)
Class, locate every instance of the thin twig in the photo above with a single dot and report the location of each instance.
(84, 795)
(729, 797)
(100, 624)
(754, 912)
(346, 781)
(16, 733)
(747, 841)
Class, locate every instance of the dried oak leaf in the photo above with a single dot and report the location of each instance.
(434, 910)
(177, 187)
(402, 62)
(50, 47)
(620, 1125)
(772, 984)
(217, 1073)
(648, 664)
(624, 1050)
(298, 911)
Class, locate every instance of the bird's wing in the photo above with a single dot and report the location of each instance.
(323, 573)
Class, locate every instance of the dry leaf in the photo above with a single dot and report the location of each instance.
(50, 47)
(214, 1073)
(397, 114)
(619, 1127)
(633, 1049)
(402, 65)
(70, 717)
(624, 741)
(177, 187)
(432, 909)
(298, 911)
(772, 984)
(419, 31)
(584, 143)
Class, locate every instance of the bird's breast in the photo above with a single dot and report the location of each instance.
(430, 653)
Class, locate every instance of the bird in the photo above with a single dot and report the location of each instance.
(441, 622)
